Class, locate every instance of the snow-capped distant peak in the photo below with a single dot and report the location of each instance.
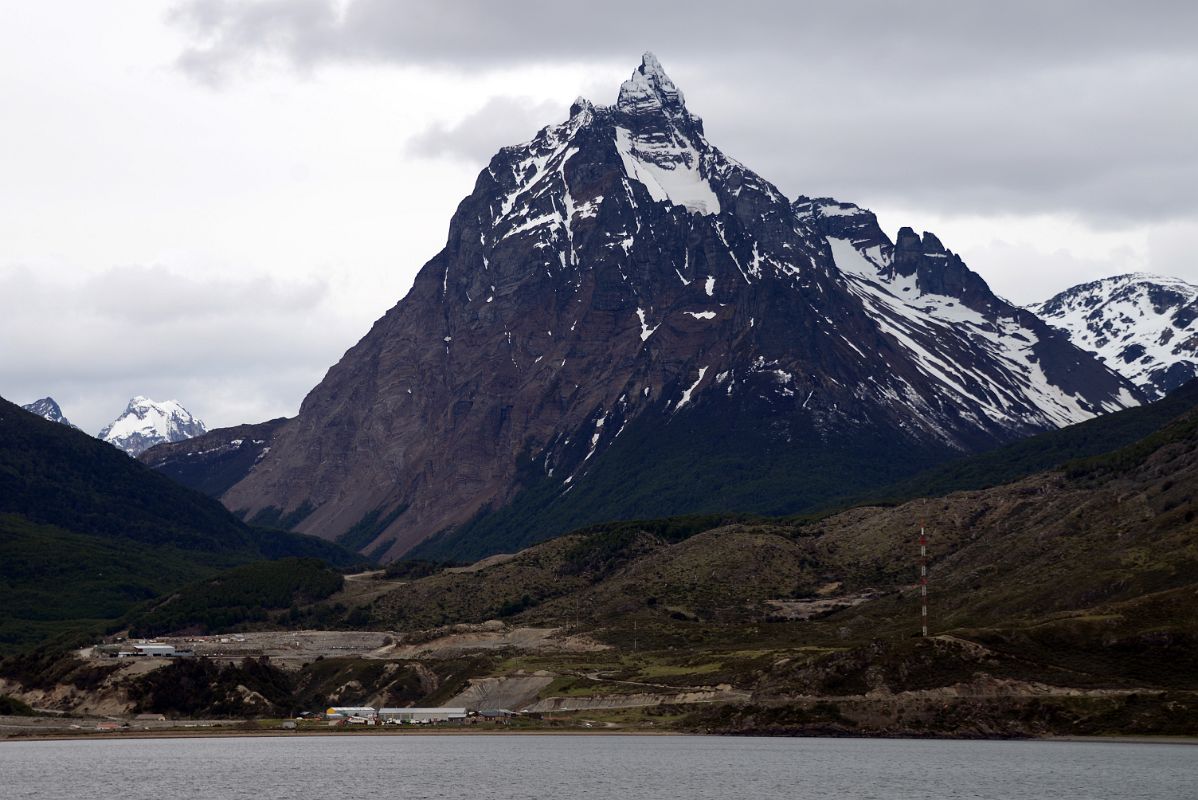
(1143, 326)
(46, 408)
(147, 422)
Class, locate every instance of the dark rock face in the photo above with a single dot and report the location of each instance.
(1144, 327)
(214, 461)
(626, 322)
(46, 408)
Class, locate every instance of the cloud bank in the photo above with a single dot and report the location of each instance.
(1018, 107)
(231, 350)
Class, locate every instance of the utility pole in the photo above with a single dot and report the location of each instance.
(923, 578)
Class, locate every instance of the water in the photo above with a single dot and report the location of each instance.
(553, 767)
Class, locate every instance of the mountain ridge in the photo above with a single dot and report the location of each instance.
(1142, 325)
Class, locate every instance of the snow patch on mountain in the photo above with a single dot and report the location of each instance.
(1009, 386)
(1143, 326)
(670, 172)
(147, 422)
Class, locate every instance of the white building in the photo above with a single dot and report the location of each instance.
(422, 714)
(155, 649)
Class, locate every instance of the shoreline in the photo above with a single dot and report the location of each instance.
(281, 734)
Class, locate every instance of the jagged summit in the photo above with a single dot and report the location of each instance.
(649, 89)
(580, 105)
(146, 423)
(47, 408)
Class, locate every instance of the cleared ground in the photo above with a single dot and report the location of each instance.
(292, 649)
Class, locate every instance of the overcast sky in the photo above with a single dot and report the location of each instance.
(211, 200)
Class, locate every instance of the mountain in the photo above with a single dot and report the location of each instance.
(626, 322)
(146, 423)
(1145, 327)
(212, 462)
(46, 408)
(86, 532)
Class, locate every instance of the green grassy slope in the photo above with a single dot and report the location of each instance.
(86, 532)
(54, 475)
(239, 597)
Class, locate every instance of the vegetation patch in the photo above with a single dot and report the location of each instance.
(238, 597)
(12, 707)
(194, 687)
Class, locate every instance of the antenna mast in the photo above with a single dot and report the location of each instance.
(923, 578)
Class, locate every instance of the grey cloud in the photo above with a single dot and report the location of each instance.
(1007, 266)
(932, 35)
(501, 121)
(1018, 107)
(1103, 141)
(1171, 249)
(229, 350)
(143, 295)
(229, 33)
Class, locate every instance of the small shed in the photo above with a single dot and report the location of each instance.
(496, 713)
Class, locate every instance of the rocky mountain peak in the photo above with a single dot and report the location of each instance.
(581, 105)
(907, 242)
(649, 89)
(842, 220)
(47, 408)
(146, 422)
(939, 271)
(619, 313)
(932, 245)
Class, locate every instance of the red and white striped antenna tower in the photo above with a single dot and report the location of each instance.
(923, 577)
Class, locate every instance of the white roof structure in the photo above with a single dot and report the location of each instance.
(449, 713)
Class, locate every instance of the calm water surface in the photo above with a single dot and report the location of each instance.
(503, 767)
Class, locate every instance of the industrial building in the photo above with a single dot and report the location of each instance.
(418, 715)
(396, 715)
(156, 650)
(141, 650)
